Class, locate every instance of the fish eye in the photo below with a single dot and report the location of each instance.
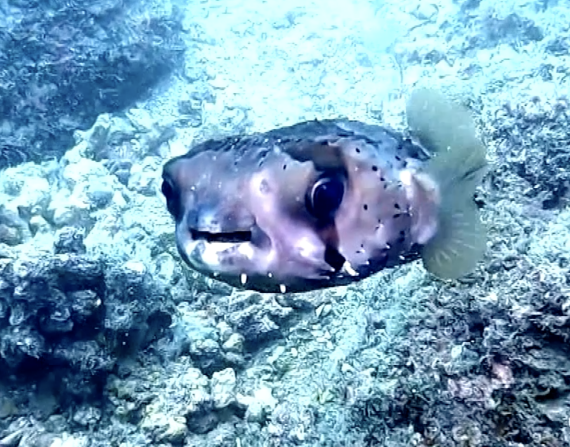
(171, 199)
(325, 197)
(167, 189)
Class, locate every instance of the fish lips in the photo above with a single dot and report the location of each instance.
(216, 250)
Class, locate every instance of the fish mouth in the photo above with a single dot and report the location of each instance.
(229, 237)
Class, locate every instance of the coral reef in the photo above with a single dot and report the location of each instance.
(69, 317)
(64, 63)
(107, 339)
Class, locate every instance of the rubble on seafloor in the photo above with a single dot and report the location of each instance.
(106, 338)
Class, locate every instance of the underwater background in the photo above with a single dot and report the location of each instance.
(108, 339)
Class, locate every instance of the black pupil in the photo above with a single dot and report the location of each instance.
(167, 190)
(326, 197)
(171, 202)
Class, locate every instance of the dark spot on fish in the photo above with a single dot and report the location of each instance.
(262, 156)
(382, 179)
(365, 207)
(395, 216)
(334, 258)
(375, 168)
(398, 158)
(402, 237)
(358, 150)
(397, 206)
(284, 167)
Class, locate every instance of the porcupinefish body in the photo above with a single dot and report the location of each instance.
(326, 203)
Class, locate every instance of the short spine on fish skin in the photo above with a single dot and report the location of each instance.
(243, 280)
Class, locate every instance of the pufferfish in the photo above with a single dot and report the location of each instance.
(330, 202)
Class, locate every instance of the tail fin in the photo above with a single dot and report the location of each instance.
(458, 165)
